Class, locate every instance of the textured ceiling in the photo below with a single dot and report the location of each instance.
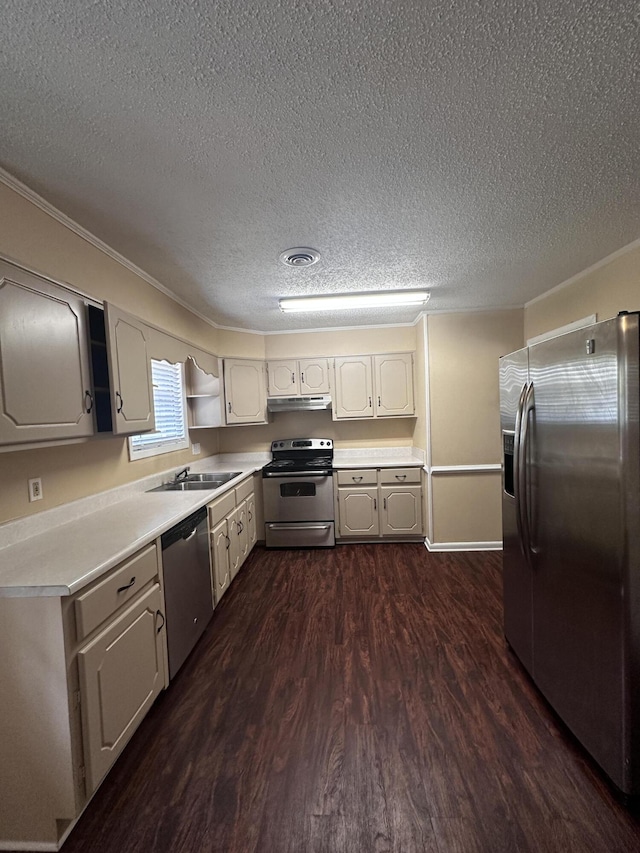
(487, 150)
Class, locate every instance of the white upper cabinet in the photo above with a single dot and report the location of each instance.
(45, 380)
(130, 367)
(245, 391)
(283, 378)
(354, 387)
(393, 378)
(378, 386)
(292, 378)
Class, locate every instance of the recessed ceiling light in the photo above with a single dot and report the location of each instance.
(302, 256)
(345, 301)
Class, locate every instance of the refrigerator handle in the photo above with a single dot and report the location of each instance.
(517, 474)
(528, 406)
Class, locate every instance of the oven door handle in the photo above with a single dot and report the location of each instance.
(275, 526)
(310, 475)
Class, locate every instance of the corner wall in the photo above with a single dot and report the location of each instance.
(464, 457)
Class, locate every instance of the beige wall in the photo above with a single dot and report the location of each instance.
(341, 342)
(464, 424)
(389, 432)
(463, 383)
(614, 286)
(32, 237)
(467, 508)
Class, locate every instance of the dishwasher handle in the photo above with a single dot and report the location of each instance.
(184, 530)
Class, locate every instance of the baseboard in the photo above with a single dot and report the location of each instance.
(462, 546)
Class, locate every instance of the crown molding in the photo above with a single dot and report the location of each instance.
(13, 183)
(630, 247)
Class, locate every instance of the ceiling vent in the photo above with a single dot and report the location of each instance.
(299, 257)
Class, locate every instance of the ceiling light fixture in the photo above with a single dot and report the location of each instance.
(346, 301)
(302, 256)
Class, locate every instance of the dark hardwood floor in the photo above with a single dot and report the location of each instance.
(356, 699)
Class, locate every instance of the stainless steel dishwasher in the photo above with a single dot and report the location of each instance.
(187, 586)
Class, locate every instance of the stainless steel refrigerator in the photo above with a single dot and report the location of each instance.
(569, 411)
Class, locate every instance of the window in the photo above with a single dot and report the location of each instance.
(169, 405)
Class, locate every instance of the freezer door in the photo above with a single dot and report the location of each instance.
(578, 537)
(517, 578)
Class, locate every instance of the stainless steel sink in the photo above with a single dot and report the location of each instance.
(211, 478)
(197, 482)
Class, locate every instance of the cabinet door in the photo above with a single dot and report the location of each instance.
(45, 388)
(234, 543)
(130, 370)
(401, 513)
(245, 392)
(243, 531)
(354, 387)
(394, 384)
(252, 530)
(121, 673)
(220, 545)
(358, 511)
(283, 379)
(314, 376)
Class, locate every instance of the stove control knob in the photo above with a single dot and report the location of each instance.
(321, 443)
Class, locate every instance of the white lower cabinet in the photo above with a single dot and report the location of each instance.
(220, 557)
(232, 525)
(401, 513)
(121, 673)
(358, 508)
(78, 675)
(379, 503)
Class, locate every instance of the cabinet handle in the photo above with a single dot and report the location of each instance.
(375, 504)
(158, 613)
(384, 503)
(240, 527)
(357, 479)
(401, 476)
(250, 514)
(293, 379)
(369, 402)
(379, 403)
(229, 405)
(302, 377)
(228, 541)
(119, 407)
(127, 585)
(88, 406)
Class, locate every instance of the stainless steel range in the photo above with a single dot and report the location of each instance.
(297, 487)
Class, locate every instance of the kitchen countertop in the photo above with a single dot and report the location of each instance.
(65, 558)
(378, 457)
(60, 551)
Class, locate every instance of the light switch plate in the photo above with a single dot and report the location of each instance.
(195, 448)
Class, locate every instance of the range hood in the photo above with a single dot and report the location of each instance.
(299, 404)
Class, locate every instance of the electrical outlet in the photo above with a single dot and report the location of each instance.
(195, 448)
(35, 489)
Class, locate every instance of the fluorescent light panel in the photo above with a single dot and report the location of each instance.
(345, 301)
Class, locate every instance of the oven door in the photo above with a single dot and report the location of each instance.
(298, 497)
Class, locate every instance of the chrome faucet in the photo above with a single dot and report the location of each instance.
(181, 475)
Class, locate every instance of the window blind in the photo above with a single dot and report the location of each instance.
(169, 404)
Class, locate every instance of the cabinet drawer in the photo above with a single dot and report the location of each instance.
(399, 475)
(244, 489)
(96, 605)
(221, 507)
(359, 477)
